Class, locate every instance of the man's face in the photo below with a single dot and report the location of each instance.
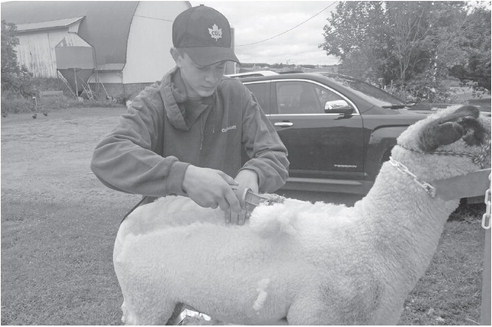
(200, 81)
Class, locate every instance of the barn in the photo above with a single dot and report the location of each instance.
(115, 47)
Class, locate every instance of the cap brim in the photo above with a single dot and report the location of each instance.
(204, 56)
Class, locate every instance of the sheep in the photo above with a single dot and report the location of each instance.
(298, 262)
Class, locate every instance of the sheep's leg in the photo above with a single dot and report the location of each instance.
(309, 310)
(346, 302)
(147, 312)
(149, 317)
(316, 308)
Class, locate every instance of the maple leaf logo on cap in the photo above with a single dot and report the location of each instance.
(215, 32)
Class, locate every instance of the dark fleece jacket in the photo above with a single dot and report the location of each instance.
(163, 132)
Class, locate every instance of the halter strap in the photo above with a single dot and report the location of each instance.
(478, 159)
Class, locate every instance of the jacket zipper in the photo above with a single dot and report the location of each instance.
(201, 132)
(203, 122)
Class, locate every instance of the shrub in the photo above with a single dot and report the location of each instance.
(64, 102)
(49, 84)
(14, 103)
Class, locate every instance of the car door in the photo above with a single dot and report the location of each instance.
(321, 144)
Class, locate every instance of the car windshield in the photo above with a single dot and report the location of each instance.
(366, 90)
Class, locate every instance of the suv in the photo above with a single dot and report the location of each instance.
(338, 130)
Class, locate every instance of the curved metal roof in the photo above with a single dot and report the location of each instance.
(105, 26)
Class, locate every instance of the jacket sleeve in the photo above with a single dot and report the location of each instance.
(127, 160)
(267, 153)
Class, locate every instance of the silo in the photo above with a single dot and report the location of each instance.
(75, 60)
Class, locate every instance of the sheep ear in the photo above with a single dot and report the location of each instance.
(464, 111)
(462, 123)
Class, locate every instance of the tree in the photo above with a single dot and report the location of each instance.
(412, 45)
(476, 43)
(357, 34)
(14, 78)
(9, 56)
(426, 36)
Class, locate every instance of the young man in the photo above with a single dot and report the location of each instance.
(184, 134)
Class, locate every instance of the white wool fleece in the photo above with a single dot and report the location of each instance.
(255, 262)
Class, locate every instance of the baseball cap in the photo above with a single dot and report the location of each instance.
(204, 34)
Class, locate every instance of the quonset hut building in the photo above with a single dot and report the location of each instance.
(121, 46)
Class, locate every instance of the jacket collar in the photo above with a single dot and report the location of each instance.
(181, 111)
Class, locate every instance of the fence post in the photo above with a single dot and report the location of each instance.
(486, 220)
(485, 312)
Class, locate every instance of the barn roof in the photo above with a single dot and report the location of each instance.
(47, 25)
(105, 25)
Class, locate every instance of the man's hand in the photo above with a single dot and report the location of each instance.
(211, 188)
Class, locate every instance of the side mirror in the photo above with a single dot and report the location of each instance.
(338, 107)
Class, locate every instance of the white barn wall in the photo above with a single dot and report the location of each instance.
(149, 41)
(37, 51)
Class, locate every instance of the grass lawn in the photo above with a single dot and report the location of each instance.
(59, 223)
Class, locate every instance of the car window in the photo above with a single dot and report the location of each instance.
(297, 97)
(260, 91)
(329, 100)
(366, 90)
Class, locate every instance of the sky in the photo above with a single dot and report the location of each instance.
(260, 21)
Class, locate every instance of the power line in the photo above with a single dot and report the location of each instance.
(290, 29)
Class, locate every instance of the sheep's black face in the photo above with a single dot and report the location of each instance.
(456, 139)
(462, 123)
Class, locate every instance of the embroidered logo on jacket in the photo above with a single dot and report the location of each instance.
(215, 32)
(228, 128)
